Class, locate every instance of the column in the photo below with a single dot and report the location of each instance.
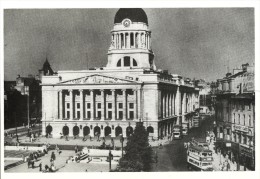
(177, 102)
(92, 103)
(71, 104)
(81, 104)
(124, 36)
(163, 104)
(170, 104)
(139, 104)
(148, 44)
(124, 104)
(135, 104)
(173, 104)
(60, 105)
(113, 104)
(167, 104)
(139, 40)
(102, 105)
(120, 41)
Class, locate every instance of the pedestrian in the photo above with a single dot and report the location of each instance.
(53, 157)
(32, 164)
(29, 162)
(40, 167)
(76, 149)
(47, 169)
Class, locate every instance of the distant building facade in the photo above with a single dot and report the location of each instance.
(108, 101)
(235, 115)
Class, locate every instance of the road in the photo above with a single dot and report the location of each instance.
(173, 157)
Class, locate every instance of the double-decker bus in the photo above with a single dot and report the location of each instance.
(199, 158)
(177, 132)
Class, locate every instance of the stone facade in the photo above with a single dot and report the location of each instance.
(235, 114)
(110, 100)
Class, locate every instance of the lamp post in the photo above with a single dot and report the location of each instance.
(28, 107)
(109, 158)
(122, 143)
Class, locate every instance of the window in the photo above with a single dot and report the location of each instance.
(68, 105)
(249, 106)
(109, 114)
(127, 61)
(109, 105)
(244, 140)
(120, 105)
(249, 120)
(78, 105)
(99, 114)
(228, 131)
(238, 118)
(88, 105)
(120, 114)
(88, 114)
(234, 118)
(131, 105)
(99, 105)
(244, 119)
(68, 114)
(131, 114)
(78, 114)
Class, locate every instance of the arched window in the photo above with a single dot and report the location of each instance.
(134, 63)
(118, 63)
(127, 61)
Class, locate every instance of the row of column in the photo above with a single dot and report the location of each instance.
(175, 103)
(136, 102)
(127, 40)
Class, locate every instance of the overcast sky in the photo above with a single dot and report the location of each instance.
(198, 43)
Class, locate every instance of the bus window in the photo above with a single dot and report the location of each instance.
(204, 154)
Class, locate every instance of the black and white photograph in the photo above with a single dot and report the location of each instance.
(129, 89)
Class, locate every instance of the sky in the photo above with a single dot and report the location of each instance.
(201, 43)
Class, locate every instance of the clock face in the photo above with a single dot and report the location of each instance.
(126, 23)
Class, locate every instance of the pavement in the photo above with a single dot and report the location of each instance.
(61, 165)
(220, 162)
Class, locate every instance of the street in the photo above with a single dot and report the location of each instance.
(173, 157)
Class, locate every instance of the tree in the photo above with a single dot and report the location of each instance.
(138, 153)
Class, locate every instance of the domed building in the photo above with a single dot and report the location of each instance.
(108, 101)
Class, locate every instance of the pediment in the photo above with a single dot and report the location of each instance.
(98, 79)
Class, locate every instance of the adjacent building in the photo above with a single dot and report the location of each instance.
(108, 101)
(235, 115)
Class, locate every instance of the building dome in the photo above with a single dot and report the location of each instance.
(134, 14)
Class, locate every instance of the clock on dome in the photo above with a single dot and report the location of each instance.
(126, 22)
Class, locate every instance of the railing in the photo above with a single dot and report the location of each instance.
(97, 118)
(108, 119)
(86, 118)
(66, 119)
(76, 119)
(130, 119)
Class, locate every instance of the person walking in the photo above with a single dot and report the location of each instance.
(76, 149)
(53, 157)
(40, 167)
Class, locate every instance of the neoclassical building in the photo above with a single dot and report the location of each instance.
(111, 99)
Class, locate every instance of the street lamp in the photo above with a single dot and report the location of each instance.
(122, 142)
(28, 106)
(109, 158)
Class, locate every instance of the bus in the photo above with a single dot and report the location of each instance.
(199, 158)
(177, 132)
